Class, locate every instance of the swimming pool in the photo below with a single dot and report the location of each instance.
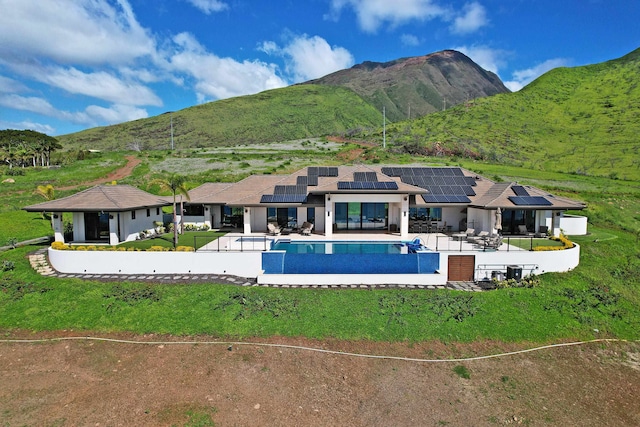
(348, 257)
(339, 247)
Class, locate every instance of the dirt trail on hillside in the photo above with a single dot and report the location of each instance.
(116, 175)
(105, 383)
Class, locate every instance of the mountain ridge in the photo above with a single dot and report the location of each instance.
(307, 109)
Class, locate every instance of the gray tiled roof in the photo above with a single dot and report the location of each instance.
(107, 198)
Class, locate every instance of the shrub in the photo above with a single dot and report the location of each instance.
(157, 249)
(8, 265)
(59, 246)
(566, 244)
(184, 249)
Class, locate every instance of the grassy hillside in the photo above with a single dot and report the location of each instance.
(277, 115)
(583, 120)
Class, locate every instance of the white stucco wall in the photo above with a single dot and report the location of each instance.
(574, 225)
(243, 264)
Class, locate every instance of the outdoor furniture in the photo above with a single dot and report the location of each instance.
(522, 229)
(542, 231)
(459, 236)
(274, 230)
(306, 229)
(493, 242)
(480, 238)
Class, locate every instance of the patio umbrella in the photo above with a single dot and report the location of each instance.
(498, 224)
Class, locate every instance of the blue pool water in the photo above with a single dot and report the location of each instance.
(339, 247)
(348, 257)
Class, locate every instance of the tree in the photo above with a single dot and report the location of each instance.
(176, 184)
(26, 148)
(47, 192)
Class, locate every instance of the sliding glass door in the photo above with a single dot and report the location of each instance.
(361, 216)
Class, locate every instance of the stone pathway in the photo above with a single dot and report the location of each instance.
(40, 264)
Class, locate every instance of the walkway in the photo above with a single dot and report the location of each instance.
(40, 263)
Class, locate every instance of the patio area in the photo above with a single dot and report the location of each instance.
(439, 242)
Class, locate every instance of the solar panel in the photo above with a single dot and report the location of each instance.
(365, 176)
(283, 198)
(520, 190)
(312, 170)
(529, 200)
(442, 198)
(332, 171)
(302, 180)
(367, 185)
(312, 180)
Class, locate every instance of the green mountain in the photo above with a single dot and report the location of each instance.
(583, 120)
(413, 87)
(289, 113)
(344, 101)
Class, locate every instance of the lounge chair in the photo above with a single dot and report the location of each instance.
(480, 238)
(522, 229)
(470, 232)
(274, 230)
(306, 229)
(542, 231)
(493, 242)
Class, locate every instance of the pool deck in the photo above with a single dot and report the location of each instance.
(261, 241)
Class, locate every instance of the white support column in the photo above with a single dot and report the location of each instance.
(328, 216)
(247, 220)
(556, 223)
(404, 218)
(114, 239)
(58, 227)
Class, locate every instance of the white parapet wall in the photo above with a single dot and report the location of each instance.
(573, 225)
(243, 264)
(531, 262)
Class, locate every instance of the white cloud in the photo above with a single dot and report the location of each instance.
(209, 6)
(72, 31)
(409, 40)
(216, 77)
(521, 78)
(116, 113)
(26, 124)
(372, 14)
(92, 115)
(474, 17)
(8, 85)
(486, 57)
(312, 57)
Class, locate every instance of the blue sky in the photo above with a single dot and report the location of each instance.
(68, 65)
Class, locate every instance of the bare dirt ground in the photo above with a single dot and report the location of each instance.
(78, 383)
(116, 175)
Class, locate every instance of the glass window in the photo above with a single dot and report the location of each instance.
(133, 214)
(311, 215)
(194, 210)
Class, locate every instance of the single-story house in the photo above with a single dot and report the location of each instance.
(337, 199)
(348, 199)
(107, 214)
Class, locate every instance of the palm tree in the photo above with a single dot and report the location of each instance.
(47, 192)
(176, 184)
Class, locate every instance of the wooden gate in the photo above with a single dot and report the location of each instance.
(461, 268)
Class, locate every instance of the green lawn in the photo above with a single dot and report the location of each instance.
(194, 239)
(600, 298)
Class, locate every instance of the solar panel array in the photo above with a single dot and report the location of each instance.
(422, 171)
(322, 171)
(367, 185)
(445, 185)
(302, 180)
(520, 190)
(286, 194)
(443, 198)
(290, 189)
(365, 176)
(313, 172)
(283, 198)
(529, 201)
